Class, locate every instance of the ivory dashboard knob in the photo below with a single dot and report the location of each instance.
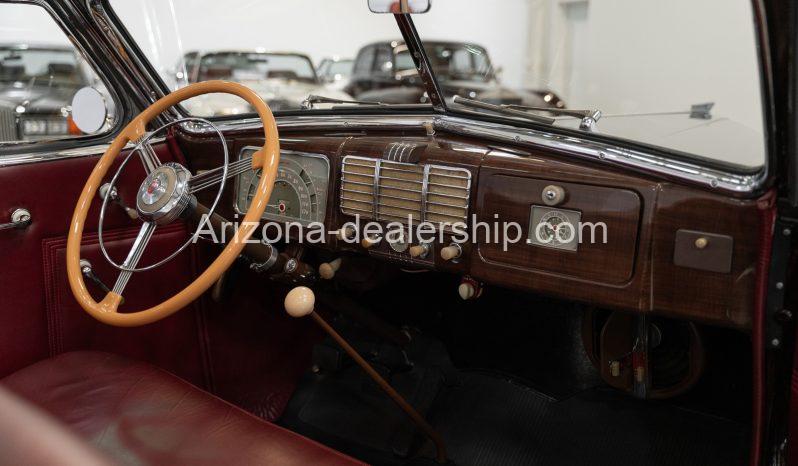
(327, 270)
(451, 252)
(370, 241)
(469, 289)
(346, 233)
(419, 250)
(466, 291)
(300, 301)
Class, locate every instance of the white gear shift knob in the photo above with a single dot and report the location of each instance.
(299, 302)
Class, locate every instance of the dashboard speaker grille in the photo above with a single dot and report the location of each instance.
(389, 191)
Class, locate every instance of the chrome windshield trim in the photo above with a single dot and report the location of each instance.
(331, 122)
(601, 152)
(716, 179)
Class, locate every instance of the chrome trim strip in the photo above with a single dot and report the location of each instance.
(375, 207)
(716, 179)
(85, 151)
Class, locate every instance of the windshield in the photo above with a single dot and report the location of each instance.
(682, 75)
(340, 68)
(272, 46)
(459, 61)
(34, 66)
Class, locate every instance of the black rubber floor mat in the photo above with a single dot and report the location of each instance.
(487, 420)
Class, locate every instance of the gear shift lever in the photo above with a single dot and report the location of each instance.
(300, 302)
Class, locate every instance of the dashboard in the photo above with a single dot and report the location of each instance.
(651, 261)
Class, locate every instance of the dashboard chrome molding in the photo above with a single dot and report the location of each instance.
(716, 179)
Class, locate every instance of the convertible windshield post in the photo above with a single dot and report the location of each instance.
(416, 48)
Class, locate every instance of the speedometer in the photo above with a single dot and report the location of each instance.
(300, 189)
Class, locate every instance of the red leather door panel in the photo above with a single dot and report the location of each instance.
(39, 317)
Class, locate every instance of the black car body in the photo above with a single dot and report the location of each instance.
(384, 72)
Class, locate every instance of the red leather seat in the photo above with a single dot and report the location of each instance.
(139, 414)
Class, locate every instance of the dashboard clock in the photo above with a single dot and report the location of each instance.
(300, 189)
(554, 228)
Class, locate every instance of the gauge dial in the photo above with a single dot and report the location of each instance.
(300, 189)
(554, 228)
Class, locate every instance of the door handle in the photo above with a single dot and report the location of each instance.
(20, 218)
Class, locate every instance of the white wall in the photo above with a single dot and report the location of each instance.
(28, 24)
(651, 55)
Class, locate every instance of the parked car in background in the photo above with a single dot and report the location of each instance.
(385, 72)
(37, 83)
(282, 79)
(335, 72)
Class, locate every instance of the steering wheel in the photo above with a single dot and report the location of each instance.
(165, 195)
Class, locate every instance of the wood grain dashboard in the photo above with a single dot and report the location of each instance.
(644, 216)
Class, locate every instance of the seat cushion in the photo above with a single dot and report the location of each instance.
(139, 414)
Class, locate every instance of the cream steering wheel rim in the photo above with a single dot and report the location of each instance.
(267, 159)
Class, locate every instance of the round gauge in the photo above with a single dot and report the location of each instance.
(292, 197)
(397, 240)
(299, 193)
(556, 229)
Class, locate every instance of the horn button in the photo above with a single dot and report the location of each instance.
(164, 194)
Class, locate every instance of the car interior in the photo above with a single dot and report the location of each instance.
(258, 287)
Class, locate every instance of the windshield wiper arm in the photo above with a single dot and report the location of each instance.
(589, 117)
(503, 109)
(308, 103)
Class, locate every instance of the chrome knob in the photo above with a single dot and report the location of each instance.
(419, 250)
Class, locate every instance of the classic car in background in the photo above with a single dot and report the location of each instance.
(36, 86)
(384, 72)
(335, 72)
(283, 80)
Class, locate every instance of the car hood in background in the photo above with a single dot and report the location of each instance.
(280, 94)
(37, 98)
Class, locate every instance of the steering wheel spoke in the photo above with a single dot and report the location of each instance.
(134, 256)
(147, 154)
(215, 176)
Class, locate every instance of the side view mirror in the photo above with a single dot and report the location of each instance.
(400, 6)
(89, 110)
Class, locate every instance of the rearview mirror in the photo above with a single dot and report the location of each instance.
(400, 6)
(89, 110)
